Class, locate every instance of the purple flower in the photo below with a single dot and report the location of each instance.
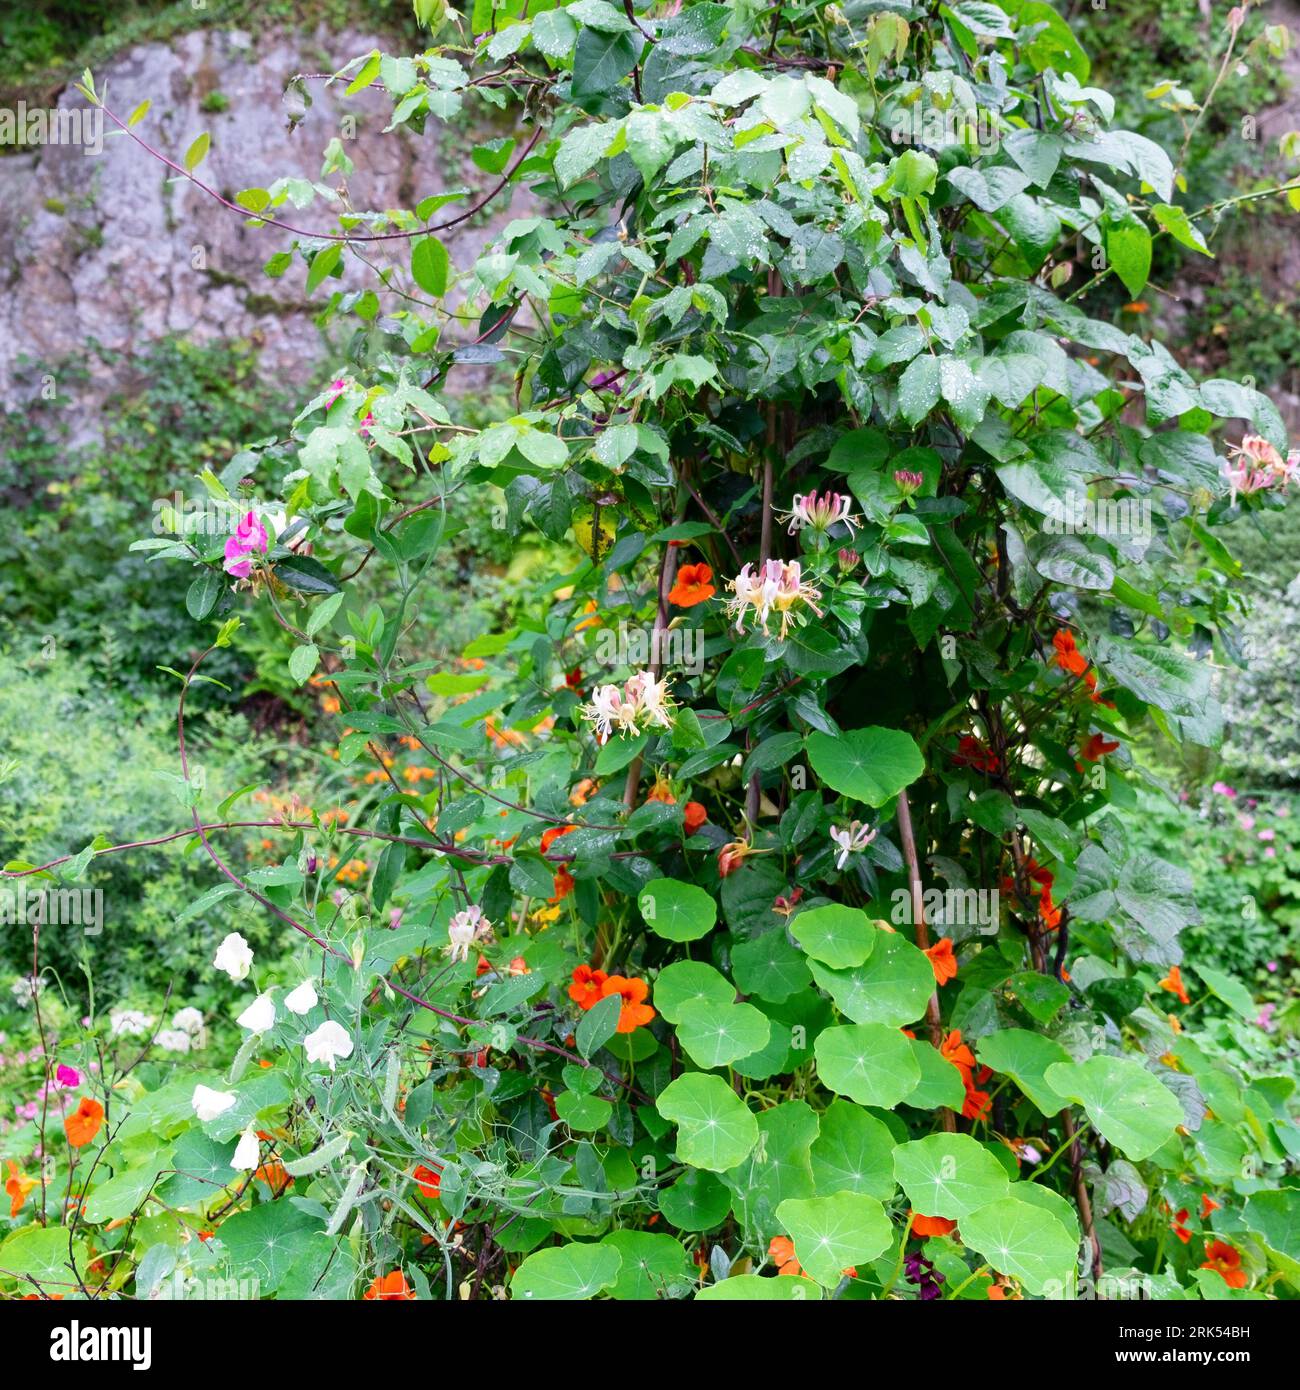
(922, 1273)
(607, 381)
(1271, 967)
(250, 536)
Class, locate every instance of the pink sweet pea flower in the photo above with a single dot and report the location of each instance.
(66, 1075)
(250, 535)
(1223, 789)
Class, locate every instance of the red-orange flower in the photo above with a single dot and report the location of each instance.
(692, 586)
(635, 1011)
(1208, 1204)
(1225, 1261)
(932, 1225)
(550, 836)
(585, 991)
(17, 1187)
(428, 1180)
(275, 1176)
(972, 753)
(731, 856)
(1047, 909)
(693, 816)
(662, 791)
(1068, 656)
(1097, 747)
(781, 1249)
(563, 885)
(1173, 982)
(942, 960)
(977, 1104)
(953, 1050)
(1179, 1226)
(390, 1288)
(84, 1122)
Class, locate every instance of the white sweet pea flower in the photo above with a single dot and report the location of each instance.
(301, 1000)
(328, 1043)
(208, 1104)
(129, 1023)
(234, 956)
(259, 1017)
(173, 1040)
(247, 1153)
(190, 1020)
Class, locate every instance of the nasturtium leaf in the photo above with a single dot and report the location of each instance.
(768, 966)
(654, 1266)
(688, 982)
(1127, 1105)
(583, 1113)
(1024, 1240)
(1025, 1058)
(754, 1288)
(697, 1201)
(836, 935)
(124, 1192)
(714, 1034)
(949, 1175)
(941, 1082)
(780, 1166)
(893, 986)
(1041, 996)
(869, 765)
(1050, 1200)
(677, 911)
(867, 1062)
(567, 1272)
(42, 1253)
(835, 1233)
(1275, 1218)
(854, 1152)
(1233, 993)
(715, 1128)
(264, 1242)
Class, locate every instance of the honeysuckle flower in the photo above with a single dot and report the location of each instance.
(129, 1023)
(247, 1152)
(777, 585)
(259, 1017)
(208, 1104)
(818, 512)
(301, 1000)
(234, 956)
(643, 703)
(1255, 465)
(465, 928)
(250, 537)
(173, 1040)
(852, 839)
(328, 1043)
(848, 560)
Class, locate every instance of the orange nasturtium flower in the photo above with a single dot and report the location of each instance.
(84, 1122)
(635, 1011)
(275, 1176)
(694, 816)
(1097, 747)
(693, 586)
(1225, 1261)
(586, 986)
(563, 885)
(1173, 982)
(1208, 1204)
(942, 960)
(550, 836)
(953, 1050)
(931, 1225)
(1179, 1225)
(390, 1288)
(1068, 656)
(428, 1181)
(17, 1187)
(781, 1249)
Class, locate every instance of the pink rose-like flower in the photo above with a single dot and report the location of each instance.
(1265, 834)
(1223, 789)
(250, 535)
(66, 1075)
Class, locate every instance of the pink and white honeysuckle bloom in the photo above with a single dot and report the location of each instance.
(852, 839)
(777, 585)
(642, 703)
(250, 536)
(465, 928)
(328, 1043)
(1255, 465)
(208, 1104)
(819, 512)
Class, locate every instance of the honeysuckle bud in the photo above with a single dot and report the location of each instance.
(848, 560)
(908, 481)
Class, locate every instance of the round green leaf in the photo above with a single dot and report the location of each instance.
(892, 987)
(568, 1272)
(941, 1082)
(677, 911)
(867, 1062)
(654, 1266)
(1128, 1106)
(754, 1288)
(1022, 1239)
(688, 982)
(697, 1201)
(869, 765)
(715, 1034)
(715, 1128)
(1025, 1058)
(831, 1234)
(837, 936)
(779, 1167)
(769, 967)
(949, 1175)
(854, 1152)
